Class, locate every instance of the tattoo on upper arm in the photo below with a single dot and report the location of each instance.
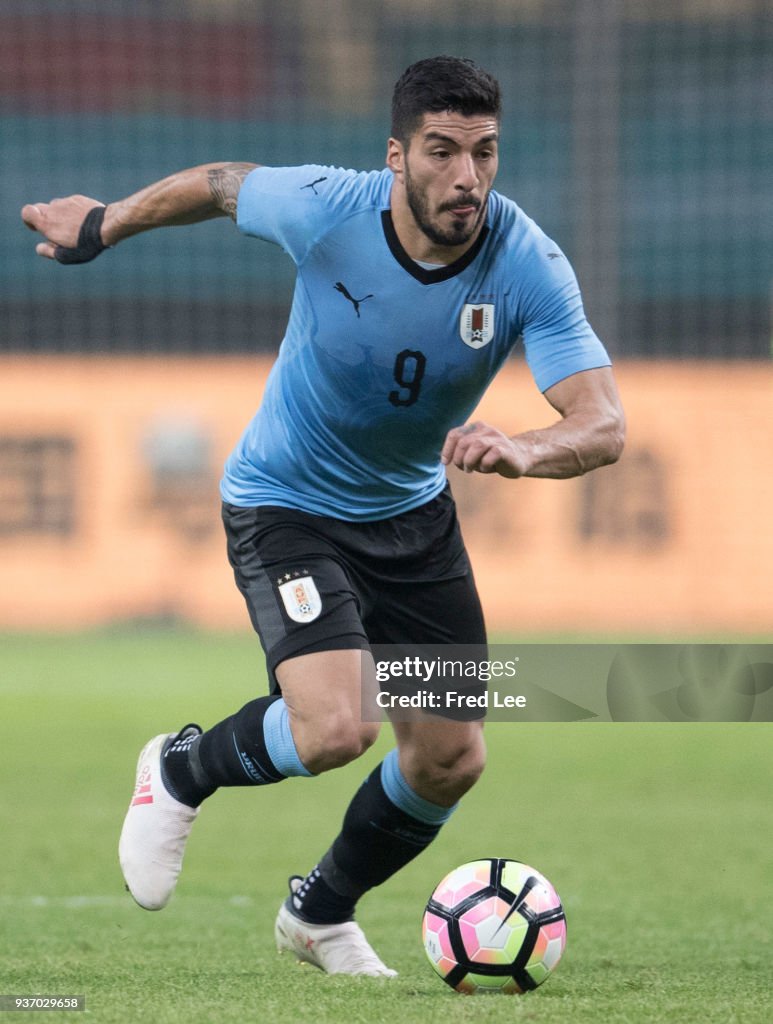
(224, 185)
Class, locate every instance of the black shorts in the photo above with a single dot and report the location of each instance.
(313, 583)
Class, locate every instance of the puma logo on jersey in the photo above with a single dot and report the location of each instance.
(341, 287)
(311, 184)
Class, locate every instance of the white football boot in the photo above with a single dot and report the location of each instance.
(155, 829)
(334, 948)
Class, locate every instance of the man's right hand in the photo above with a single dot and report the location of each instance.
(59, 222)
(186, 197)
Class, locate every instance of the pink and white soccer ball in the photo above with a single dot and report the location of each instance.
(494, 925)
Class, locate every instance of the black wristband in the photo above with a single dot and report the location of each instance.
(90, 243)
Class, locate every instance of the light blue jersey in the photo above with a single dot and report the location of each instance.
(382, 357)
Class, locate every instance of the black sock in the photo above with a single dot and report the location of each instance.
(317, 902)
(231, 753)
(180, 769)
(376, 840)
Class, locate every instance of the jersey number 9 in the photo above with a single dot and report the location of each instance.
(408, 373)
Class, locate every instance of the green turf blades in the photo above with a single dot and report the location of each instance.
(650, 832)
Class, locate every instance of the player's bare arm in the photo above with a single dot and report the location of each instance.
(187, 197)
(590, 434)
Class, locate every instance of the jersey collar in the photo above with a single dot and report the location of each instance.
(421, 274)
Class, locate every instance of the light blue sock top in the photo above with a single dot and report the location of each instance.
(279, 741)
(407, 799)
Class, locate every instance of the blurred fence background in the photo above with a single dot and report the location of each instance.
(639, 133)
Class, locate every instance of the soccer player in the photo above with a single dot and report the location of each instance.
(414, 284)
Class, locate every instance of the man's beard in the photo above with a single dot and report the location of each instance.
(459, 232)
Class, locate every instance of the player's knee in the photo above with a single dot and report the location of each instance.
(461, 772)
(338, 742)
(448, 774)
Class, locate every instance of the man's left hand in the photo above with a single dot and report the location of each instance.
(480, 448)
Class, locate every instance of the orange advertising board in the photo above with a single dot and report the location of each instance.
(109, 507)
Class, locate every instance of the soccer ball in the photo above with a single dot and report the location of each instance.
(494, 925)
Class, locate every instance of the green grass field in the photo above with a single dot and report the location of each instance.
(658, 838)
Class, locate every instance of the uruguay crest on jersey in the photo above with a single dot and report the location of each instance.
(476, 324)
(301, 599)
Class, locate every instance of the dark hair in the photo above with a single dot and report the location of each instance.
(442, 83)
